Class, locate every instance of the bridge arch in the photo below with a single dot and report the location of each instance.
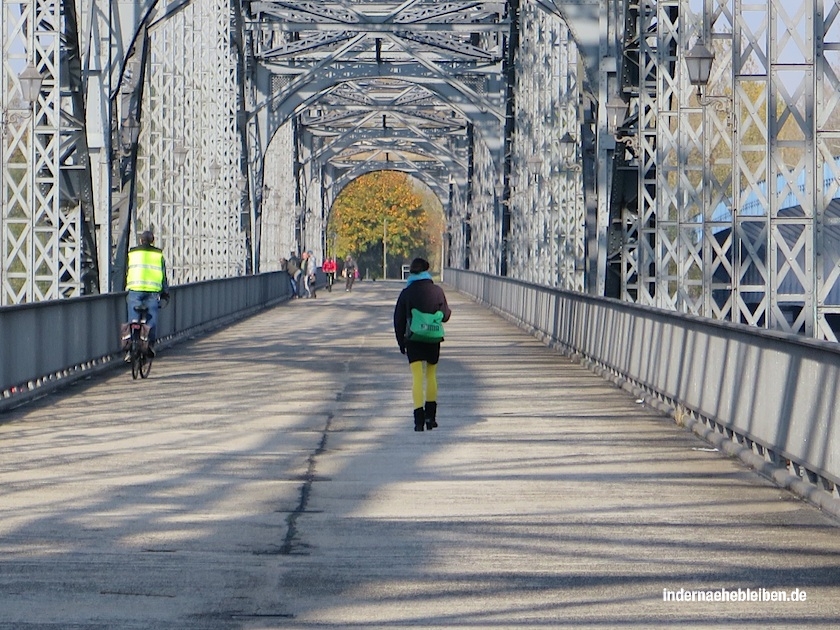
(651, 209)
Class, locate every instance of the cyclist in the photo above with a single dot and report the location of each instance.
(146, 283)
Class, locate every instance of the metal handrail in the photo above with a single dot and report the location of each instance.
(49, 344)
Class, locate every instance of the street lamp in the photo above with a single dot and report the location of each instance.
(568, 144)
(180, 154)
(534, 164)
(616, 117)
(698, 62)
(130, 132)
(30, 87)
(616, 109)
(384, 248)
(30, 83)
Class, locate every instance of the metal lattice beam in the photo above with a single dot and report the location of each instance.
(425, 69)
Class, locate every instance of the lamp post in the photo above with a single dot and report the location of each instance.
(30, 88)
(568, 147)
(698, 63)
(616, 110)
(616, 116)
(130, 132)
(499, 189)
(213, 170)
(30, 83)
(179, 152)
(534, 164)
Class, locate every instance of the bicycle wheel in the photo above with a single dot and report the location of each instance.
(145, 364)
(136, 357)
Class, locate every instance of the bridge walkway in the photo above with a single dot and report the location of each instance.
(267, 476)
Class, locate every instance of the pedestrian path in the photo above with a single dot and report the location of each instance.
(268, 476)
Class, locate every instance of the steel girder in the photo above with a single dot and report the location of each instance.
(173, 99)
(71, 171)
(46, 206)
(408, 78)
(723, 206)
(547, 237)
(725, 203)
(584, 20)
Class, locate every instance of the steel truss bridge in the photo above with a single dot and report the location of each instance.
(564, 139)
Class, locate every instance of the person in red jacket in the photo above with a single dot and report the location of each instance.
(424, 295)
(329, 268)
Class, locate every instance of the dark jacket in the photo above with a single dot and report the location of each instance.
(425, 296)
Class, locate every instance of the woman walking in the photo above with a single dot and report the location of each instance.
(349, 272)
(423, 294)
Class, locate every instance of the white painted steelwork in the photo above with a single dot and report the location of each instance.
(720, 204)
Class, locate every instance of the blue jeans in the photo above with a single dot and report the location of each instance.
(149, 300)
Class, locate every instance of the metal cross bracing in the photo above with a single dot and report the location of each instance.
(91, 159)
(724, 201)
(373, 85)
(230, 127)
(548, 232)
(191, 103)
(48, 251)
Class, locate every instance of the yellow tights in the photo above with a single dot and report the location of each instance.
(417, 383)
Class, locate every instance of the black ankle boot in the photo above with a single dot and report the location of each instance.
(431, 414)
(419, 419)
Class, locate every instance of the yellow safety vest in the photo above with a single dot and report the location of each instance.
(145, 270)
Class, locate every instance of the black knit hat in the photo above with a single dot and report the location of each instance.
(419, 265)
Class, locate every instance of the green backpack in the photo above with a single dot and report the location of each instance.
(425, 327)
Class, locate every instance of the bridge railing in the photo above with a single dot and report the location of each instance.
(773, 393)
(48, 344)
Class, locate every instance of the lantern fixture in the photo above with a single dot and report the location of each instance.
(30, 83)
(616, 111)
(180, 154)
(698, 62)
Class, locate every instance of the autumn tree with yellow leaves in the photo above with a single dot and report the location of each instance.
(383, 205)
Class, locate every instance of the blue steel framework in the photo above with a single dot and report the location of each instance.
(230, 127)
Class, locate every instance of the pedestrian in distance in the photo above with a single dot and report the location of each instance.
(293, 269)
(349, 272)
(421, 296)
(308, 269)
(146, 283)
(330, 267)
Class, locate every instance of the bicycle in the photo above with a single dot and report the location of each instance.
(138, 346)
